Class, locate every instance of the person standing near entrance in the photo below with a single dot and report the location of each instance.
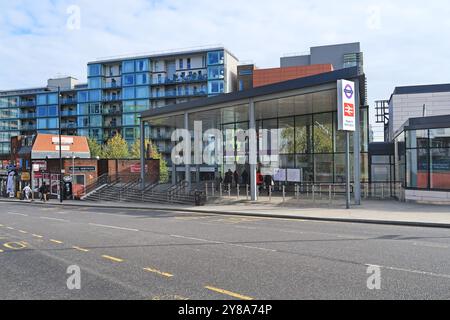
(44, 192)
(244, 177)
(236, 178)
(268, 180)
(259, 180)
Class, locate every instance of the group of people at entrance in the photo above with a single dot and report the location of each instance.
(43, 192)
(263, 182)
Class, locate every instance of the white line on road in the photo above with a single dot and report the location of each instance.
(54, 219)
(425, 273)
(113, 227)
(17, 214)
(221, 242)
(430, 245)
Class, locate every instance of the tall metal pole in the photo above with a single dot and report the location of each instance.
(61, 183)
(142, 146)
(347, 168)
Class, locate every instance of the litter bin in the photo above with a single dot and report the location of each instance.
(199, 199)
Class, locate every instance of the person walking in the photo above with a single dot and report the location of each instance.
(268, 180)
(27, 192)
(228, 179)
(44, 192)
(259, 180)
(244, 177)
(236, 178)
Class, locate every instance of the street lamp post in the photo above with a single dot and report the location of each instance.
(61, 181)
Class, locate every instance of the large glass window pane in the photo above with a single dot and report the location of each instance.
(217, 72)
(96, 121)
(129, 133)
(417, 168)
(323, 166)
(142, 79)
(95, 95)
(41, 111)
(82, 96)
(339, 168)
(41, 99)
(83, 122)
(440, 138)
(142, 105)
(340, 137)
(53, 111)
(128, 66)
(128, 93)
(306, 166)
(216, 87)
(129, 119)
(42, 123)
(128, 80)
(83, 109)
(440, 169)
(53, 123)
(323, 133)
(52, 98)
(286, 136)
(128, 106)
(417, 139)
(94, 70)
(142, 65)
(303, 134)
(142, 92)
(94, 83)
(216, 57)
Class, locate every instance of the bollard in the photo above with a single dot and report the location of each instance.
(270, 193)
(313, 191)
(284, 193)
(238, 191)
(330, 195)
(206, 189)
(229, 190)
(382, 191)
(247, 191)
(307, 191)
(220, 190)
(213, 188)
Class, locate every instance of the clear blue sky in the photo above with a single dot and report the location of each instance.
(405, 42)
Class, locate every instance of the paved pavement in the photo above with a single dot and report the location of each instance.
(371, 211)
(147, 254)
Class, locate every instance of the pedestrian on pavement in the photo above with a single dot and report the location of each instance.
(228, 179)
(244, 177)
(44, 192)
(259, 180)
(268, 180)
(236, 178)
(27, 192)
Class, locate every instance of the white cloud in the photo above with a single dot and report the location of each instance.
(406, 43)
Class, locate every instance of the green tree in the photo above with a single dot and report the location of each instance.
(136, 154)
(116, 148)
(95, 148)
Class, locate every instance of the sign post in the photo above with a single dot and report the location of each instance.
(346, 111)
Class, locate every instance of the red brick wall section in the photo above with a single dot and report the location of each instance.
(262, 77)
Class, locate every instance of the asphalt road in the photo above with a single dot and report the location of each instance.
(151, 255)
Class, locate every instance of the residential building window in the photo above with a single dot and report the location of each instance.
(52, 123)
(142, 105)
(189, 63)
(129, 120)
(41, 111)
(95, 95)
(216, 57)
(142, 65)
(52, 98)
(142, 92)
(41, 99)
(42, 123)
(128, 67)
(128, 93)
(53, 111)
(82, 96)
(94, 70)
(216, 87)
(142, 79)
(128, 80)
(181, 64)
(216, 72)
(94, 83)
(128, 106)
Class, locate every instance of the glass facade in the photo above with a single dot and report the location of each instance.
(427, 158)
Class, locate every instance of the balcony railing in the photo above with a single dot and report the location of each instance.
(70, 125)
(28, 103)
(68, 113)
(112, 85)
(177, 80)
(111, 98)
(183, 94)
(28, 127)
(27, 115)
(69, 101)
(112, 111)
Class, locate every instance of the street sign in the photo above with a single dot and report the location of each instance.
(346, 105)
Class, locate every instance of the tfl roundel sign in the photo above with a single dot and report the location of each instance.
(346, 105)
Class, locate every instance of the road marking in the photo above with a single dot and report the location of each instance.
(54, 219)
(15, 245)
(9, 228)
(164, 274)
(229, 293)
(112, 258)
(56, 241)
(1, 251)
(1, 225)
(226, 243)
(425, 273)
(80, 249)
(430, 245)
(37, 236)
(113, 227)
(17, 214)
(22, 231)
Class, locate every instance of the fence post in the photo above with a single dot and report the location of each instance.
(313, 190)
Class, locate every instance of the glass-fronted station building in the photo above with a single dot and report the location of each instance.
(303, 112)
